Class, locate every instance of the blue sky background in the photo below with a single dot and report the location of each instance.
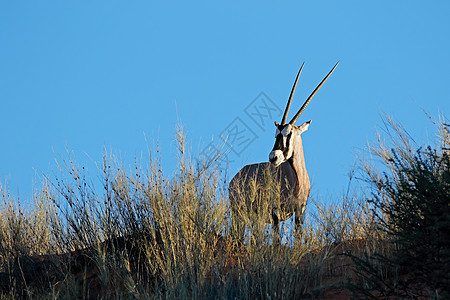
(88, 75)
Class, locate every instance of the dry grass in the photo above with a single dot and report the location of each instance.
(147, 235)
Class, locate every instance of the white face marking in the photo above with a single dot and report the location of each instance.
(286, 130)
(276, 157)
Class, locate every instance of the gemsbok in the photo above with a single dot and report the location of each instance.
(286, 168)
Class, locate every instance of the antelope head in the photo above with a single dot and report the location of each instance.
(287, 135)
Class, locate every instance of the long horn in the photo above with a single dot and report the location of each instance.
(294, 119)
(286, 111)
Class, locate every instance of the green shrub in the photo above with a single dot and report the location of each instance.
(412, 206)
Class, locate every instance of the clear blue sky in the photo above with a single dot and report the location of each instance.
(92, 74)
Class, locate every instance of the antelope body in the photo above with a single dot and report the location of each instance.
(286, 167)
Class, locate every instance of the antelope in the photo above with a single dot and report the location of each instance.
(286, 166)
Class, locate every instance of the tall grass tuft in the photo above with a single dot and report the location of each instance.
(143, 234)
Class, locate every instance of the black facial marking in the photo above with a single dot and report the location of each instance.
(278, 142)
(288, 141)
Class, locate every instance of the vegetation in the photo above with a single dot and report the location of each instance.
(411, 204)
(146, 235)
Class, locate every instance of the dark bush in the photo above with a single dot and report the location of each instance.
(411, 202)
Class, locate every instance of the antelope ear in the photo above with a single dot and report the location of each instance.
(302, 128)
(276, 124)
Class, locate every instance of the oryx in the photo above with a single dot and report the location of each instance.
(287, 166)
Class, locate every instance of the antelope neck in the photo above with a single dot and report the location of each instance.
(297, 163)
